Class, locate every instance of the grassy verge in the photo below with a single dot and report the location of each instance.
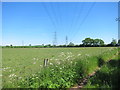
(107, 76)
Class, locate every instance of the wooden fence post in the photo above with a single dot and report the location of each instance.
(45, 62)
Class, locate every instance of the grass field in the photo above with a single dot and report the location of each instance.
(23, 67)
(111, 74)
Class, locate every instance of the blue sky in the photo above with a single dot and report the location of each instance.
(35, 22)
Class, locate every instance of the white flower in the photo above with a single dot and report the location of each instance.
(58, 62)
(34, 62)
(19, 77)
(52, 69)
(33, 74)
(12, 75)
(51, 63)
(51, 59)
(40, 65)
(78, 54)
(62, 54)
(68, 59)
(37, 59)
(36, 77)
(34, 58)
(87, 54)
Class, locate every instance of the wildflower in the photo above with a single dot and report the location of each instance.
(40, 65)
(52, 69)
(12, 75)
(87, 54)
(51, 59)
(78, 54)
(33, 78)
(37, 77)
(58, 62)
(56, 59)
(34, 58)
(33, 74)
(19, 77)
(51, 63)
(34, 63)
(37, 59)
(68, 59)
(62, 54)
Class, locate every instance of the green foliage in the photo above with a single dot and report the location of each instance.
(87, 41)
(66, 66)
(93, 42)
(108, 76)
(114, 42)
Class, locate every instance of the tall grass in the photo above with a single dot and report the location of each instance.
(107, 76)
(62, 71)
(65, 74)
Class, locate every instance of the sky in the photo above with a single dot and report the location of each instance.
(35, 23)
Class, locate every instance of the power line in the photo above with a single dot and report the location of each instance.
(87, 14)
(54, 12)
(76, 16)
(83, 19)
(53, 21)
(49, 15)
(58, 8)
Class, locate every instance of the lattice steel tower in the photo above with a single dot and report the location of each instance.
(66, 41)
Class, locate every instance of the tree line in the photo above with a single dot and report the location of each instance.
(87, 42)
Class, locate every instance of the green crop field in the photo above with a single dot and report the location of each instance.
(24, 67)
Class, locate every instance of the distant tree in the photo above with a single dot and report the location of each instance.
(119, 42)
(49, 45)
(71, 44)
(11, 45)
(96, 42)
(88, 42)
(101, 42)
(7, 46)
(92, 42)
(114, 42)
